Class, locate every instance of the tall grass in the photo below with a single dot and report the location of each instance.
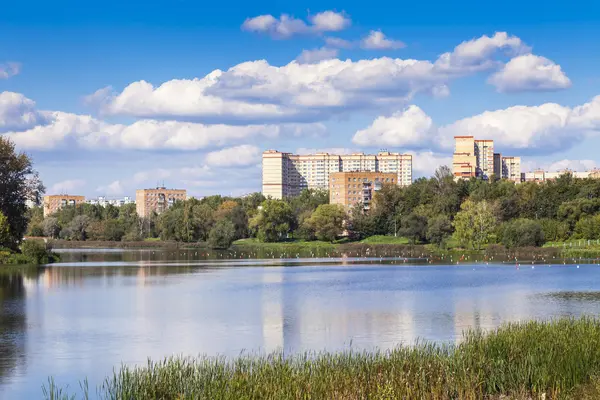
(554, 360)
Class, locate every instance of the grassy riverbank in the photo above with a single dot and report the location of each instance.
(559, 359)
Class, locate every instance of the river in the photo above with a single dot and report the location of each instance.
(100, 308)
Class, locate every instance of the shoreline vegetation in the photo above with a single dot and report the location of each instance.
(558, 359)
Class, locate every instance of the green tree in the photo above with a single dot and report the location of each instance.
(414, 227)
(588, 227)
(327, 222)
(554, 230)
(221, 235)
(5, 237)
(474, 224)
(51, 227)
(522, 233)
(18, 183)
(78, 227)
(439, 229)
(274, 221)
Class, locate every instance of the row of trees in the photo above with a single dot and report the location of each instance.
(437, 210)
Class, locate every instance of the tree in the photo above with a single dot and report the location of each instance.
(274, 221)
(51, 227)
(474, 224)
(588, 228)
(18, 183)
(78, 227)
(414, 227)
(327, 222)
(554, 230)
(5, 238)
(439, 229)
(221, 235)
(521, 233)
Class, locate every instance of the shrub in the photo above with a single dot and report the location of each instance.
(522, 233)
(554, 231)
(221, 235)
(588, 228)
(37, 252)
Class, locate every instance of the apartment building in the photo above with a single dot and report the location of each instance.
(511, 168)
(53, 203)
(286, 174)
(157, 200)
(351, 188)
(473, 157)
(103, 201)
(542, 176)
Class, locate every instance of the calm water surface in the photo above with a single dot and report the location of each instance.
(98, 309)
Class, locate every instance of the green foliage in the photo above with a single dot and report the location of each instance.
(522, 233)
(588, 228)
(474, 224)
(19, 183)
(5, 236)
(414, 227)
(326, 222)
(37, 252)
(554, 230)
(274, 221)
(559, 359)
(222, 235)
(439, 230)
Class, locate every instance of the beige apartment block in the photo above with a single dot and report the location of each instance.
(484, 158)
(157, 200)
(511, 168)
(351, 188)
(286, 174)
(543, 176)
(464, 161)
(53, 203)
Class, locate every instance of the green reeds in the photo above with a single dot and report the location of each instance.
(553, 360)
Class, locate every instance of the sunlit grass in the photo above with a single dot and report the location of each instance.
(556, 359)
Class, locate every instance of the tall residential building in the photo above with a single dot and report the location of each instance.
(53, 203)
(157, 200)
(475, 158)
(511, 168)
(351, 188)
(286, 174)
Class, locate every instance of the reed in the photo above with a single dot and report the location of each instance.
(556, 359)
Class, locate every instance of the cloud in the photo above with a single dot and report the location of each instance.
(376, 40)
(45, 130)
(479, 54)
(530, 73)
(257, 92)
(544, 129)
(9, 69)
(330, 150)
(69, 186)
(330, 21)
(410, 127)
(115, 188)
(99, 97)
(338, 43)
(574, 165)
(316, 55)
(237, 156)
(17, 112)
(286, 26)
(426, 162)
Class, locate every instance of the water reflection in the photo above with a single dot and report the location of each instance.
(95, 310)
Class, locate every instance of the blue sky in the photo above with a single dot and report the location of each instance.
(522, 73)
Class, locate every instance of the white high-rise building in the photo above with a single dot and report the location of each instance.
(286, 174)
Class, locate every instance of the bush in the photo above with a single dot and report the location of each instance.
(37, 252)
(588, 228)
(221, 235)
(522, 233)
(554, 231)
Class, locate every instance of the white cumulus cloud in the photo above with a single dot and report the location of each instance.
(376, 40)
(316, 55)
(17, 112)
(69, 186)
(287, 26)
(409, 128)
(237, 156)
(115, 188)
(574, 165)
(530, 73)
(338, 43)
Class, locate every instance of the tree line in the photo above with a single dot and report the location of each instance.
(437, 210)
